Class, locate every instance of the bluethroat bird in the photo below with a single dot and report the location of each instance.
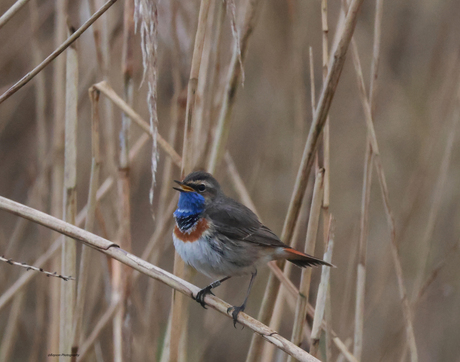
(222, 238)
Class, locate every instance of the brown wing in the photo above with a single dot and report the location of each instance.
(237, 222)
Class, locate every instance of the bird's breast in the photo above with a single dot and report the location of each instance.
(192, 233)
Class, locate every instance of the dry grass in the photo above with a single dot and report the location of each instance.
(395, 291)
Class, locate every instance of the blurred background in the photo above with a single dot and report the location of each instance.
(415, 123)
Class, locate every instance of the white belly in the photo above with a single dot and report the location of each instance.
(200, 256)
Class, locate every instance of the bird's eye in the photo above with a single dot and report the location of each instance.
(201, 187)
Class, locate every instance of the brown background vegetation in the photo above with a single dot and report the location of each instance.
(418, 80)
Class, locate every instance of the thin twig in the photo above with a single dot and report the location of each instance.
(31, 267)
(29, 76)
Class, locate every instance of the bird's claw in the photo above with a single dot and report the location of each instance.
(236, 311)
(202, 294)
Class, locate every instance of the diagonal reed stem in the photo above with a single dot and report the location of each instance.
(29, 76)
(182, 286)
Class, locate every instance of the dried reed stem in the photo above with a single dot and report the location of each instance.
(322, 297)
(29, 76)
(40, 89)
(69, 248)
(310, 242)
(297, 14)
(326, 136)
(201, 97)
(119, 102)
(240, 188)
(90, 218)
(187, 153)
(361, 274)
(327, 93)
(179, 317)
(368, 160)
(174, 113)
(163, 214)
(108, 183)
(122, 333)
(231, 86)
(184, 287)
(11, 12)
(390, 220)
(57, 173)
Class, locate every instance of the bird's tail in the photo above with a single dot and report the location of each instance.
(303, 260)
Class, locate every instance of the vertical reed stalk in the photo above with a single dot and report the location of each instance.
(174, 112)
(57, 173)
(179, 319)
(312, 230)
(323, 291)
(162, 213)
(69, 251)
(368, 160)
(297, 16)
(90, 218)
(122, 324)
(40, 89)
(187, 153)
(108, 130)
(361, 274)
(198, 141)
(327, 93)
(326, 136)
(384, 189)
(231, 87)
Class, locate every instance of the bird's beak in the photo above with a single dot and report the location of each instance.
(182, 187)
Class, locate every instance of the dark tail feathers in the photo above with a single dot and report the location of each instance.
(303, 260)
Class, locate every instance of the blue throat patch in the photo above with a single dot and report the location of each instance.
(189, 209)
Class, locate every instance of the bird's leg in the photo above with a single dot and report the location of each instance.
(202, 293)
(237, 310)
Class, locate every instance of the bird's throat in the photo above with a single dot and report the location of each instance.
(189, 210)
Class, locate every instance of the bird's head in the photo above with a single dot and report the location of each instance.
(197, 188)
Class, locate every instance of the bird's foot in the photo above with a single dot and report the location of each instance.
(235, 312)
(201, 294)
